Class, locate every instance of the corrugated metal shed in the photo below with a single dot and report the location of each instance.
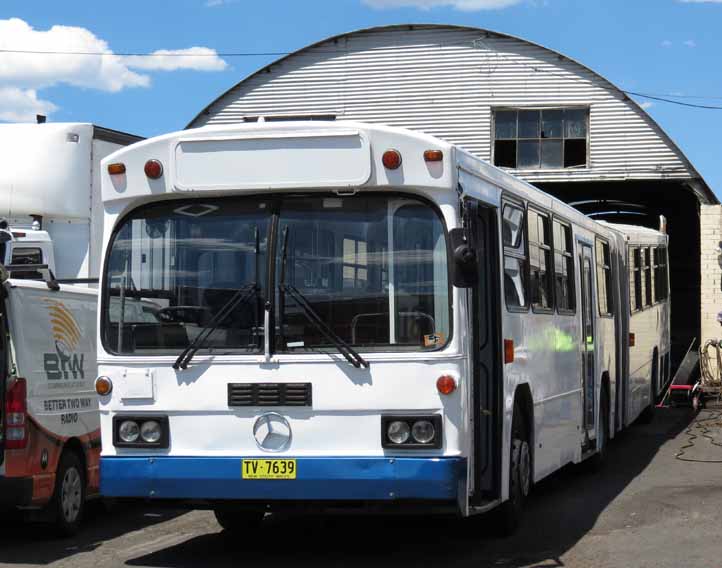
(445, 81)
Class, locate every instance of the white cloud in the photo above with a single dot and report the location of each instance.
(462, 5)
(701, 1)
(646, 104)
(21, 105)
(666, 43)
(33, 70)
(23, 73)
(215, 3)
(690, 43)
(195, 58)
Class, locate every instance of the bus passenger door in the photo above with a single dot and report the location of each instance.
(486, 341)
(588, 344)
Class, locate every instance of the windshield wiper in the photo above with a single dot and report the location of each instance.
(241, 296)
(351, 355)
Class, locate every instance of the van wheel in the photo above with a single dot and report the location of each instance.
(647, 414)
(68, 502)
(520, 473)
(238, 520)
(596, 462)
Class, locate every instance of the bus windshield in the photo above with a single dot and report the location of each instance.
(372, 268)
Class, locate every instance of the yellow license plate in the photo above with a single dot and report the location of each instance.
(268, 469)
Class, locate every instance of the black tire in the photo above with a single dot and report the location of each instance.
(647, 415)
(520, 474)
(238, 520)
(68, 502)
(597, 461)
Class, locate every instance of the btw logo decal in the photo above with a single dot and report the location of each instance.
(65, 363)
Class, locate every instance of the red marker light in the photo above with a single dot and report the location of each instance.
(391, 159)
(115, 169)
(433, 155)
(508, 351)
(446, 384)
(153, 169)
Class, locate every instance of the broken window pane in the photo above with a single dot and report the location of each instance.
(505, 153)
(528, 124)
(575, 153)
(505, 124)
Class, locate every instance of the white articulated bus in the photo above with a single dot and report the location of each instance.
(340, 314)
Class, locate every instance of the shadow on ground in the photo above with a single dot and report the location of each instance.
(563, 509)
(37, 543)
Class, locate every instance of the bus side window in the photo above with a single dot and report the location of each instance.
(604, 279)
(635, 279)
(564, 268)
(540, 252)
(660, 275)
(647, 257)
(515, 260)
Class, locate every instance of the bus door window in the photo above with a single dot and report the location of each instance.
(515, 258)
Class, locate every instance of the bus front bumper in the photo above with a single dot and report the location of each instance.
(342, 478)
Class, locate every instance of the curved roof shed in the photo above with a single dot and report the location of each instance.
(447, 81)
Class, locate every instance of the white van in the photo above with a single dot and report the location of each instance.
(49, 427)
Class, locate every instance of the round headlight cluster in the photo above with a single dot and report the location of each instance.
(150, 431)
(129, 431)
(140, 431)
(412, 431)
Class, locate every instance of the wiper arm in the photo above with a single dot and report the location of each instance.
(344, 348)
(241, 296)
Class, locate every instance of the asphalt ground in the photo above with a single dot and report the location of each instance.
(646, 508)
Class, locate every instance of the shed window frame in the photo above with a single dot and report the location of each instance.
(540, 138)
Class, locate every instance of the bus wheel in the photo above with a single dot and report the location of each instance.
(69, 498)
(238, 520)
(519, 474)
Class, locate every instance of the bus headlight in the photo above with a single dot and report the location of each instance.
(411, 432)
(129, 431)
(150, 431)
(398, 431)
(423, 431)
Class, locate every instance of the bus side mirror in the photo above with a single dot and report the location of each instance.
(463, 260)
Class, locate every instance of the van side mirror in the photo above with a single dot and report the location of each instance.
(463, 260)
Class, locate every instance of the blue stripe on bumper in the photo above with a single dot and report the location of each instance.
(340, 478)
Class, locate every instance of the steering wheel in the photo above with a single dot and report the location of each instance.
(171, 314)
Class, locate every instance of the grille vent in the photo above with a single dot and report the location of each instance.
(269, 394)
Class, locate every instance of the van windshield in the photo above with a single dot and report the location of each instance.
(373, 268)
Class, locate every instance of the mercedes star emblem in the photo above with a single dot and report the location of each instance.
(272, 432)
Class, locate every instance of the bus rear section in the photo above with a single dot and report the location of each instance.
(50, 428)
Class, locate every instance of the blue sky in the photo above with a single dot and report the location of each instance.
(651, 46)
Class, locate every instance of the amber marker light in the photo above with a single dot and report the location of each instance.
(508, 351)
(446, 384)
(103, 386)
(433, 155)
(116, 169)
(153, 169)
(391, 159)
